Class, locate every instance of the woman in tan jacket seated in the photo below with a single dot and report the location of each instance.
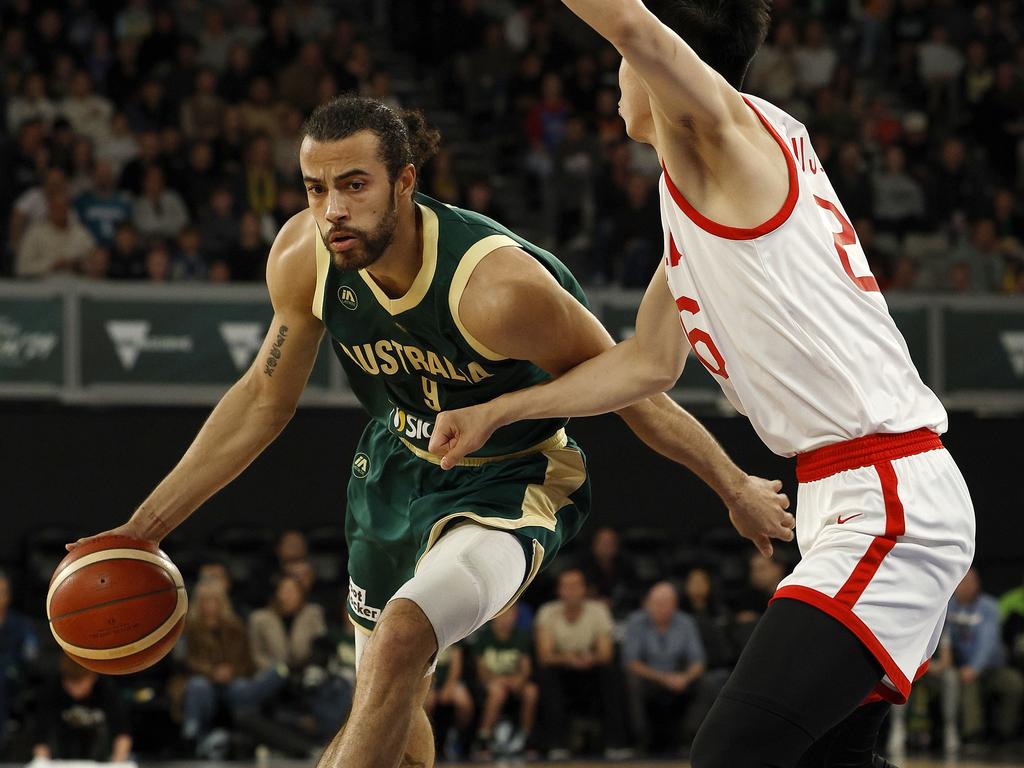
(220, 664)
(283, 633)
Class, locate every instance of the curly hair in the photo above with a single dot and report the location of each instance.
(405, 137)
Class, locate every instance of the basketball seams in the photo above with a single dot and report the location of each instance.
(171, 626)
(112, 554)
(115, 601)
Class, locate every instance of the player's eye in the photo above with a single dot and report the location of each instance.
(356, 186)
(315, 189)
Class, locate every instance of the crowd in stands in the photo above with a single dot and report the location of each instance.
(620, 651)
(158, 141)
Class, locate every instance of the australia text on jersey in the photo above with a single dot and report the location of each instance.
(390, 357)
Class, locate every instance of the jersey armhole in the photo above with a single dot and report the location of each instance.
(323, 265)
(467, 265)
(743, 233)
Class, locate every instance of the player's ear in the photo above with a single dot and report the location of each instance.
(406, 182)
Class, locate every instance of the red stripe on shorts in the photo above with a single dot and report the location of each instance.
(895, 525)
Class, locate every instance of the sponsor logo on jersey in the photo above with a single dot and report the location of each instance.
(357, 600)
(19, 347)
(361, 465)
(348, 297)
(1013, 343)
(406, 425)
(843, 520)
(131, 338)
(388, 357)
(243, 341)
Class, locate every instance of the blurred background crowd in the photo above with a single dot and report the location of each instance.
(620, 651)
(158, 141)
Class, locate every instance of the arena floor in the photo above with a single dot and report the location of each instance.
(584, 764)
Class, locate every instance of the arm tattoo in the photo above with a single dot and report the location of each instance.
(275, 351)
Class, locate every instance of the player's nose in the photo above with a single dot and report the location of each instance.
(337, 210)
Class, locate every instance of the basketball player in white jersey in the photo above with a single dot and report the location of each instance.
(765, 280)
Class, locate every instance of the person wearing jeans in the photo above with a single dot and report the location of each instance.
(221, 665)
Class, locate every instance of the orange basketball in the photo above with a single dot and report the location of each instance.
(116, 605)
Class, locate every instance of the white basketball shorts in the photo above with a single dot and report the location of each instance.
(885, 527)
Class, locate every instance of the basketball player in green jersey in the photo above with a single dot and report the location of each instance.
(429, 307)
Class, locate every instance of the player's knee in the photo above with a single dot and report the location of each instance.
(403, 639)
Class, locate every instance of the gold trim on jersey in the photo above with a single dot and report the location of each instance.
(470, 260)
(421, 284)
(557, 441)
(323, 267)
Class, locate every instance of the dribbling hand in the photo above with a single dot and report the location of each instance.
(757, 509)
(128, 529)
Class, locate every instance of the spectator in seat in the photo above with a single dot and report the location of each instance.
(610, 575)
(1011, 614)
(203, 112)
(219, 226)
(159, 212)
(941, 682)
(81, 716)
(249, 261)
(291, 545)
(127, 259)
(220, 664)
(763, 579)
(158, 263)
(714, 622)
(575, 658)
(973, 625)
(103, 207)
(504, 668)
(284, 631)
(56, 244)
(189, 262)
(330, 678)
(448, 690)
(665, 664)
(19, 648)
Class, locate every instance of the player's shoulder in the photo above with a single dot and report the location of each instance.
(291, 267)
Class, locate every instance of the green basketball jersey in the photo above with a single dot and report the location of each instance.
(409, 358)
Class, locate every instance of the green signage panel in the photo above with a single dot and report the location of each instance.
(984, 350)
(32, 340)
(913, 324)
(174, 342)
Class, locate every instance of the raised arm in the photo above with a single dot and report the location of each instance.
(683, 88)
(255, 410)
(516, 308)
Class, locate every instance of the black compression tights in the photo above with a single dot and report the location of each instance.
(793, 699)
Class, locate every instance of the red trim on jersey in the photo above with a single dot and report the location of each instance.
(863, 452)
(852, 622)
(895, 525)
(739, 233)
(883, 692)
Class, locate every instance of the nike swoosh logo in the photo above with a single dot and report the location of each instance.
(842, 519)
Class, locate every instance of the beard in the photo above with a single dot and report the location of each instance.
(371, 245)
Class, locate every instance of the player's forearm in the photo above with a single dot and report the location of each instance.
(611, 381)
(677, 435)
(236, 432)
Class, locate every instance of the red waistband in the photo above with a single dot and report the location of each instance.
(863, 452)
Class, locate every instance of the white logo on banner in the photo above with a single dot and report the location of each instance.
(131, 338)
(1013, 343)
(18, 347)
(243, 340)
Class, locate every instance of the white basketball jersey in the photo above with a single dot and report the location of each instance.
(787, 316)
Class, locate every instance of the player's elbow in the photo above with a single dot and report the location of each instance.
(664, 373)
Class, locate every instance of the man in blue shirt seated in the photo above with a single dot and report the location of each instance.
(664, 660)
(104, 207)
(973, 626)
